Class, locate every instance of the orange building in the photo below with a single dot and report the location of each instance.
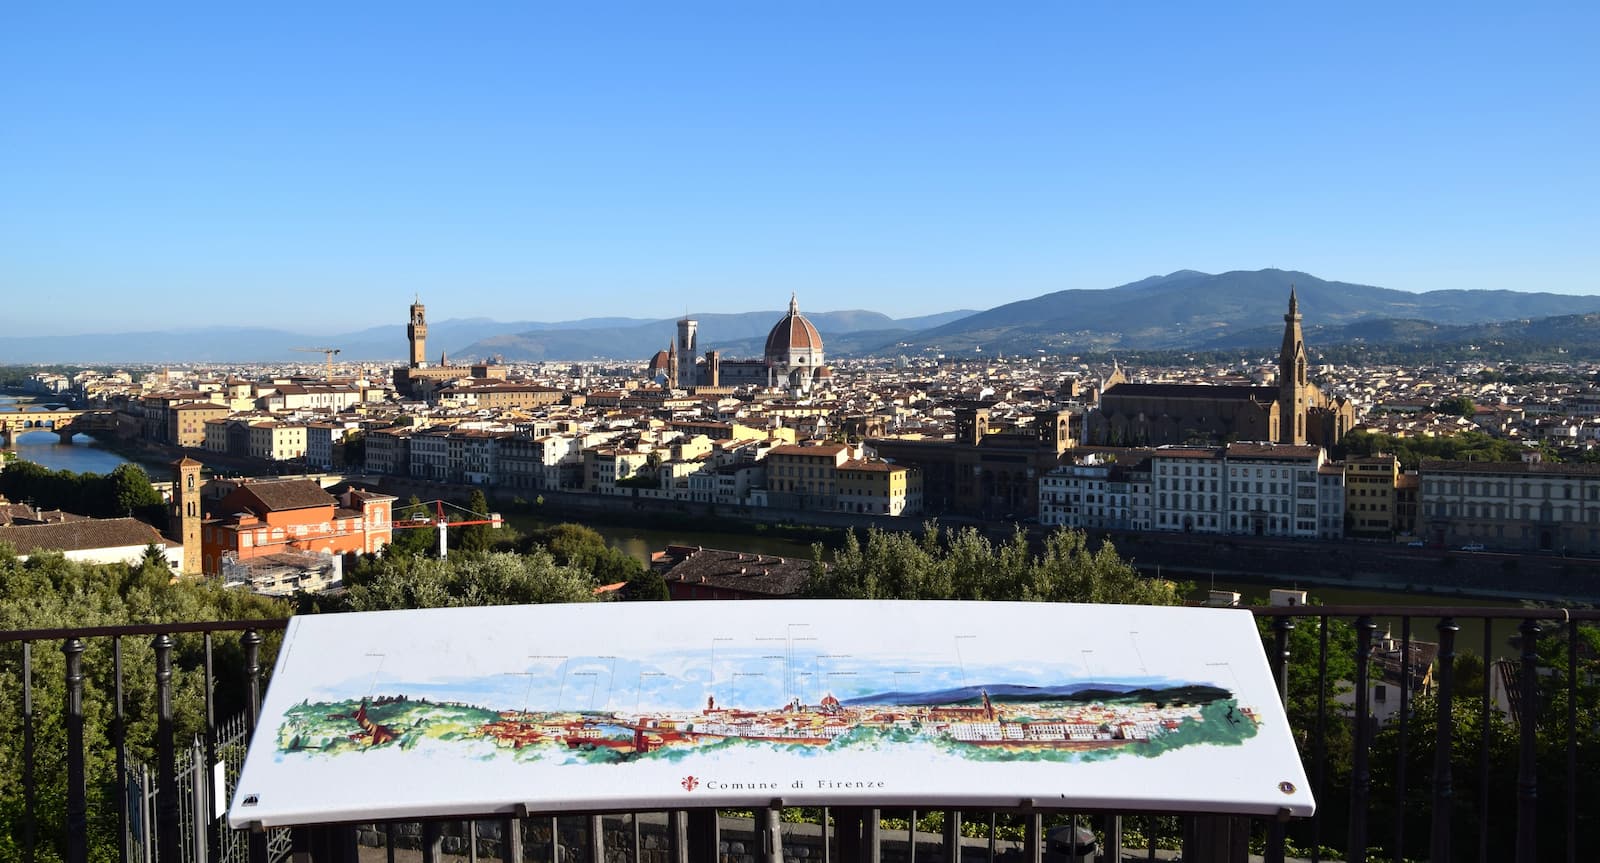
(262, 517)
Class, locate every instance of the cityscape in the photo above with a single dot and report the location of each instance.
(1258, 448)
(1009, 344)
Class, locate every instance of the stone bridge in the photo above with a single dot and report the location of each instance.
(65, 423)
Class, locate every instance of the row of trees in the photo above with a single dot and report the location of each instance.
(964, 564)
(1411, 451)
(125, 491)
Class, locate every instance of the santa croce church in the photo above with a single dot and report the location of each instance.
(1295, 411)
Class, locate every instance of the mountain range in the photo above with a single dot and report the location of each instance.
(1184, 310)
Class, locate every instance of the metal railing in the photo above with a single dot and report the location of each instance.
(1438, 773)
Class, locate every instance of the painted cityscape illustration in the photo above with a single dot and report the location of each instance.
(777, 699)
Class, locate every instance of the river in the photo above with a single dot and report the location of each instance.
(83, 455)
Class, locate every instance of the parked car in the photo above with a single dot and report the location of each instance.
(1472, 546)
(1416, 543)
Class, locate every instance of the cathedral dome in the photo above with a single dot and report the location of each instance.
(793, 333)
(794, 350)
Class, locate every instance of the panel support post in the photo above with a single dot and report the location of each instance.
(952, 836)
(432, 842)
(678, 828)
(772, 834)
(1216, 839)
(511, 840)
(704, 834)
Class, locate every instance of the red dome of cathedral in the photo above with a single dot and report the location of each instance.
(793, 333)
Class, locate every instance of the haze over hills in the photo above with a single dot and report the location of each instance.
(1184, 310)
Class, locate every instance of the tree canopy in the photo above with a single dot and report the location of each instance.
(1465, 446)
(964, 564)
(463, 579)
(125, 491)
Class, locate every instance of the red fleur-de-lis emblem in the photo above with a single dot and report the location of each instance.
(690, 783)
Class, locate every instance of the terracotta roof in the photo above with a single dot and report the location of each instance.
(1513, 467)
(1193, 391)
(826, 449)
(80, 535)
(284, 494)
(1272, 450)
(761, 574)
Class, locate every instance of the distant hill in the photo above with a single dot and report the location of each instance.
(1189, 309)
(1185, 310)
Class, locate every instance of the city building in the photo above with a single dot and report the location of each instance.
(1511, 506)
(419, 380)
(877, 487)
(1371, 499)
(984, 473)
(186, 423)
(1295, 411)
(261, 517)
(805, 477)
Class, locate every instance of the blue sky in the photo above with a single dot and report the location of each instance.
(314, 166)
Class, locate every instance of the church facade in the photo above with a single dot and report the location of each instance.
(1296, 411)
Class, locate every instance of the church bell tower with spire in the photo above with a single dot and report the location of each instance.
(1294, 389)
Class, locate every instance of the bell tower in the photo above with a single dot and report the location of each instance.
(185, 517)
(1294, 389)
(417, 334)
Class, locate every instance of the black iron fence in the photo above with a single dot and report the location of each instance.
(1418, 747)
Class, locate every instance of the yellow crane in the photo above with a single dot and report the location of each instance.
(326, 352)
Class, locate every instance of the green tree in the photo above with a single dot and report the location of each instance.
(466, 579)
(1461, 406)
(646, 586)
(584, 548)
(133, 494)
(50, 591)
(475, 537)
(964, 564)
(415, 540)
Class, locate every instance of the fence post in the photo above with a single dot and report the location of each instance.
(1443, 787)
(1527, 769)
(168, 837)
(29, 789)
(77, 800)
(252, 709)
(1360, 774)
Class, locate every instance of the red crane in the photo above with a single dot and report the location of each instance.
(421, 519)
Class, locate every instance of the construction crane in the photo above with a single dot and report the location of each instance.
(326, 352)
(419, 517)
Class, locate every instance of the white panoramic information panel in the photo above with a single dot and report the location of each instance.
(674, 705)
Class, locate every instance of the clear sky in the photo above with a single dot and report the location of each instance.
(314, 166)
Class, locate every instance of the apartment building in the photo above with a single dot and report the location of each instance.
(1523, 506)
(1371, 502)
(878, 488)
(1273, 489)
(805, 477)
(186, 423)
(277, 441)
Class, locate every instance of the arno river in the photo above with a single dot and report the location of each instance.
(86, 456)
(83, 455)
